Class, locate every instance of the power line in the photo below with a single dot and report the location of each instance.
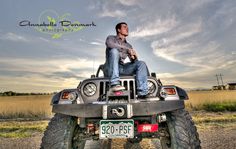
(218, 78)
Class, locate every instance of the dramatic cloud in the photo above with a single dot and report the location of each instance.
(112, 13)
(154, 28)
(45, 73)
(96, 43)
(13, 37)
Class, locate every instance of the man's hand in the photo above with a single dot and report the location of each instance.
(133, 54)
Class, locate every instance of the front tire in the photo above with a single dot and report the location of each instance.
(59, 133)
(182, 131)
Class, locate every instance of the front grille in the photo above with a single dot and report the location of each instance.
(129, 85)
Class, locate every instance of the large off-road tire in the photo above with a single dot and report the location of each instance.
(182, 131)
(59, 133)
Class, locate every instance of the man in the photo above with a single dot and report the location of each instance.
(121, 59)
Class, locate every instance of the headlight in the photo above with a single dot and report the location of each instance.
(89, 89)
(151, 87)
(72, 96)
(163, 93)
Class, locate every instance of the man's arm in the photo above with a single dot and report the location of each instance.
(133, 54)
(111, 42)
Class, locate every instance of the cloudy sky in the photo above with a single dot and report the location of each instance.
(185, 42)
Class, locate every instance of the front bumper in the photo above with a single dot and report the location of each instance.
(139, 109)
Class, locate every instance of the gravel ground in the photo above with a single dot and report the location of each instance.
(218, 138)
(213, 138)
(21, 143)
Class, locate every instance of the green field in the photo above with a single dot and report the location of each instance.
(21, 129)
(215, 101)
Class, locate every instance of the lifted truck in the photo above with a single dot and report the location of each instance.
(92, 112)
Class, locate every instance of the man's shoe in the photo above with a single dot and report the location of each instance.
(118, 87)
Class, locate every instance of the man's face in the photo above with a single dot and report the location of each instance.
(124, 30)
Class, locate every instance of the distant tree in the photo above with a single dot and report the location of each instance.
(9, 93)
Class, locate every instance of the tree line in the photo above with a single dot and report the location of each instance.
(11, 93)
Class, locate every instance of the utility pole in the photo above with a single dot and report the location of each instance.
(217, 79)
(221, 79)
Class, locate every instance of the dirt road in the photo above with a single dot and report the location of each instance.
(212, 138)
(218, 138)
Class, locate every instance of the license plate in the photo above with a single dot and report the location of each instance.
(116, 129)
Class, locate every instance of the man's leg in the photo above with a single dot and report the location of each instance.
(140, 69)
(113, 69)
(141, 78)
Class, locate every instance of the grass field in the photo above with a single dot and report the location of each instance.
(38, 106)
(35, 106)
(222, 100)
(21, 129)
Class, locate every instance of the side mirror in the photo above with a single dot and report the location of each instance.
(92, 76)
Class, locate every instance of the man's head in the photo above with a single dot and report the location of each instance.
(122, 29)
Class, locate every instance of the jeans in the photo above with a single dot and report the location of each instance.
(115, 69)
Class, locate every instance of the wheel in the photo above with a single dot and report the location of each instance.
(182, 131)
(60, 133)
